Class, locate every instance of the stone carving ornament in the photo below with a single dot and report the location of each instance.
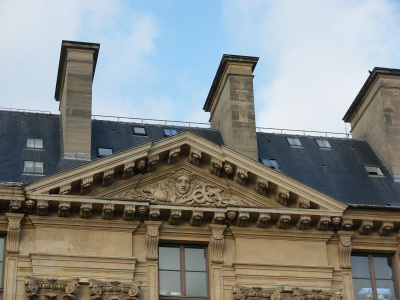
(47, 289)
(114, 290)
(183, 187)
(300, 294)
(256, 293)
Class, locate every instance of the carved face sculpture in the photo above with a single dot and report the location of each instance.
(228, 168)
(183, 184)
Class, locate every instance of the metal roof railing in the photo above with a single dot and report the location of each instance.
(304, 132)
(26, 110)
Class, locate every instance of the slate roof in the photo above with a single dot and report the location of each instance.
(338, 172)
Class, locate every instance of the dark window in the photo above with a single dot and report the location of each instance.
(169, 131)
(2, 254)
(139, 130)
(294, 141)
(373, 277)
(271, 163)
(323, 144)
(374, 171)
(101, 152)
(183, 272)
(34, 143)
(33, 167)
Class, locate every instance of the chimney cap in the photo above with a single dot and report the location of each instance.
(63, 55)
(227, 58)
(377, 71)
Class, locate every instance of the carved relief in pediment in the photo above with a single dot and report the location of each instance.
(183, 187)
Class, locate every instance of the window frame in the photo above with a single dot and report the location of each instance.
(293, 140)
(139, 134)
(371, 173)
(34, 144)
(182, 273)
(323, 146)
(101, 156)
(271, 165)
(170, 129)
(3, 268)
(372, 278)
(33, 168)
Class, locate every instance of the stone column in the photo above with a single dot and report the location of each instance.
(152, 238)
(216, 251)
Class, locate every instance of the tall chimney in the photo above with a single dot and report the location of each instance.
(74, 91)
(375, 115)
(231, 103)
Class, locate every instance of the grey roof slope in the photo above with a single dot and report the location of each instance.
(338, 172)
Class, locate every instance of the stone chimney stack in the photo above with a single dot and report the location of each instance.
(74, 91)
(231, 103)
(375, 115)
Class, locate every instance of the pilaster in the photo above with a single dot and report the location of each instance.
(13, 230)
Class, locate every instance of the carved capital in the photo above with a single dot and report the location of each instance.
(42, 207)
(244, 293)
(174, 155)
(302, 202)
(63, 209)
(37, 288)
(85, 210)
(108, 177)
(128, 169)
(154, 214)
(263, 219)
(283, 222)
(323, 224)
(15, 206)
(365, 228)
(86, 184)
(152, 237)
(195, 219)
(261, 186)
(215, 166)
(241, 176)
(303, 222)
(347, 224)
(218, 218)
(344, 250)
(385, 228)
(242, 219)
(281, 195)
(175, 217)
(108, 211)
(152, 164)
(194, 156)
(108, 290)
(217, 243)
(13, 231)
(300, 294)
(65, 189)
(129, 213)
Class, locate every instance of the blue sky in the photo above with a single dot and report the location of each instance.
(158, 58)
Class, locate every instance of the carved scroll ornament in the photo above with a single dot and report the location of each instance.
(217, 243)
(54, 289)
(183, 187)
(300, 294)
(344, 250)
(100, 290)
(256, 293)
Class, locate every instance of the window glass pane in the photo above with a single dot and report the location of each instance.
(274, 164)
(362, 289)
(382, 267)
(196, 284)
(38, 167)
(1, 275)
(39, 143)
(30, 143)
(170, 283)
(320, 143)
(266, 162)
(173, 131)
(326, 144)
(105, 151)
(139, 130)
(28, 166)
(1, 248)
(385, 289)
(167, 132)
(195, 259)
(297, 142)
(169, 258)
(360, 267)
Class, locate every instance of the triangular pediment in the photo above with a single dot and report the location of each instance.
(185, 169)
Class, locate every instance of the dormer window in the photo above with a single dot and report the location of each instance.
(102, 152)
(169, 131)
(271, 163)
(294, 141)
(373, 171)
(34, 143)
(137, 130)
(324, 144)
(33, 167)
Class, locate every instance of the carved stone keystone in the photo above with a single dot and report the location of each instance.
(365, 228)
(154, 214)
(302, 203)
(244, 293)
(323, 224)
(110, 290)
(15, 206)
(128, 169)
(347, 224)
(152, 237)
(42, 207)
(195, 219)
(108, 177)
(241, 176)
(108, 211)
(86, 210)
(13, 231)
(194, 156)
(173, 155)
(37, 288)
(281, 195)
(303, 222)
(218, 218)
(175, 217)
(217, 243)
(263, 220)
(242, 219)
(65, 189)
(283, 222)
(152, 164)
(215, 166)
(385, 228)
(63, 209)
(344, 250)
(86, 185)
(300, 294)
(129, 213)
(261, 186)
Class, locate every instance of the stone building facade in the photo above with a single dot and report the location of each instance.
(205, 214)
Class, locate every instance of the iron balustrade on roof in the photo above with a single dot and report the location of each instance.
(304, 132)
(26, 110)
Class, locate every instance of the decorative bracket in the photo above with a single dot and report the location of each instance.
(303, 222)
(261, 186)
(141, 166)
(263, 219)
(283, 222)
(347, 224)
(154, 214)
(42, 207)
(242, 219)
(63, 209)
(53, 289)
(128, 169)
(385, 228)
(241, 176)
(302, 203)
(175, 217)
(344, 249)
(65, 189)
(173, 155)
(152, 164)
(365, 228)
(152, 237)
(86, 210)
(102, 290)
(108, 211)
(86, 184)
(323, 224)
(215, 166)
(194, 156)
(282, 195)
(108, 177)
(218, 218)
(217, 243)
(13, 231)
(196, 218)
(129, 213)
